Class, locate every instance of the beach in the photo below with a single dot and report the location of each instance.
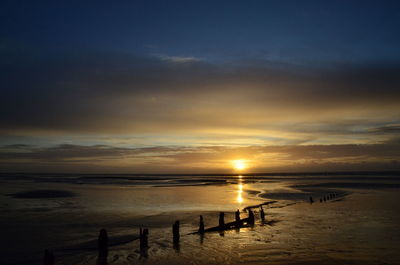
(64, 213)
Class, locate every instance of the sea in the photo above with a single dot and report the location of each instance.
(310, 218)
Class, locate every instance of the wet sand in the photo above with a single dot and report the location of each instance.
(361, 226)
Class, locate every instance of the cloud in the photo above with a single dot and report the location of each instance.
(178, 59)
(202, 159)
(390, 128)
(116, 93)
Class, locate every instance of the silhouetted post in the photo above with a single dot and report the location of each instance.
(237, 219)
(262, 214)
(324, 199)
(144, 241)
(175, 232)
(141, 237)
(201, 225)
(320, 200)
(251, 217)
(48, 258)
(176, 235)
(103, 247)
(221, 220)
(103, 244)
(146, 237)
(311, 200)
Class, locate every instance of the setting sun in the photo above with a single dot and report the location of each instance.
(239, 164)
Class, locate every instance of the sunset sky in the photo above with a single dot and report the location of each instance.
(191, 86)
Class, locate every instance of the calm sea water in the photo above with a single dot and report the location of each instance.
(64, 213)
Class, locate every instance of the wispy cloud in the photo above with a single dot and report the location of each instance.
(390, 129)
(206, 159)
(178, 59)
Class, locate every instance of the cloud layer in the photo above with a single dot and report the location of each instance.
(210, 159)
(114, 93)
(277, 115)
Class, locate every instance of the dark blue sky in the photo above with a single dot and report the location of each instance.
(290, 31)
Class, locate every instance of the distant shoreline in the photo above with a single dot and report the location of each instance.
(319, 173)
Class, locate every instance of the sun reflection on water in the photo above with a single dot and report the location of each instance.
(239, 197)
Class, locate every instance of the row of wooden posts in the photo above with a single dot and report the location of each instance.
(48, 258)
(328, 197)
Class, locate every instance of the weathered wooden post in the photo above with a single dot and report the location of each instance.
(103, 247)
(175, 232)
(221, 220)
(251, 217)
(176, 236)
(201, 225)
(48, 258)
(103, 243)
(262, 214)
(144, 240)
(238, 222)
(141, 238)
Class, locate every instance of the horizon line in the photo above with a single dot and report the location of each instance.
(315, 173)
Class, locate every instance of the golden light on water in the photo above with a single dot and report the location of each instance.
(239, 164)
(239, 197)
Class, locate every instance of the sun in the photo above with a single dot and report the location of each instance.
(239, 164)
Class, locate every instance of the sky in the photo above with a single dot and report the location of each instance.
(192, 86)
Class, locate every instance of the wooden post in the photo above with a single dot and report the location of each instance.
(103, 248)
(201, 225)
(48, 258)
(238, 222)
(251, 217)
(221, 221)
(175, 232)
(262, 214)
(103, 243)
(144, 240)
